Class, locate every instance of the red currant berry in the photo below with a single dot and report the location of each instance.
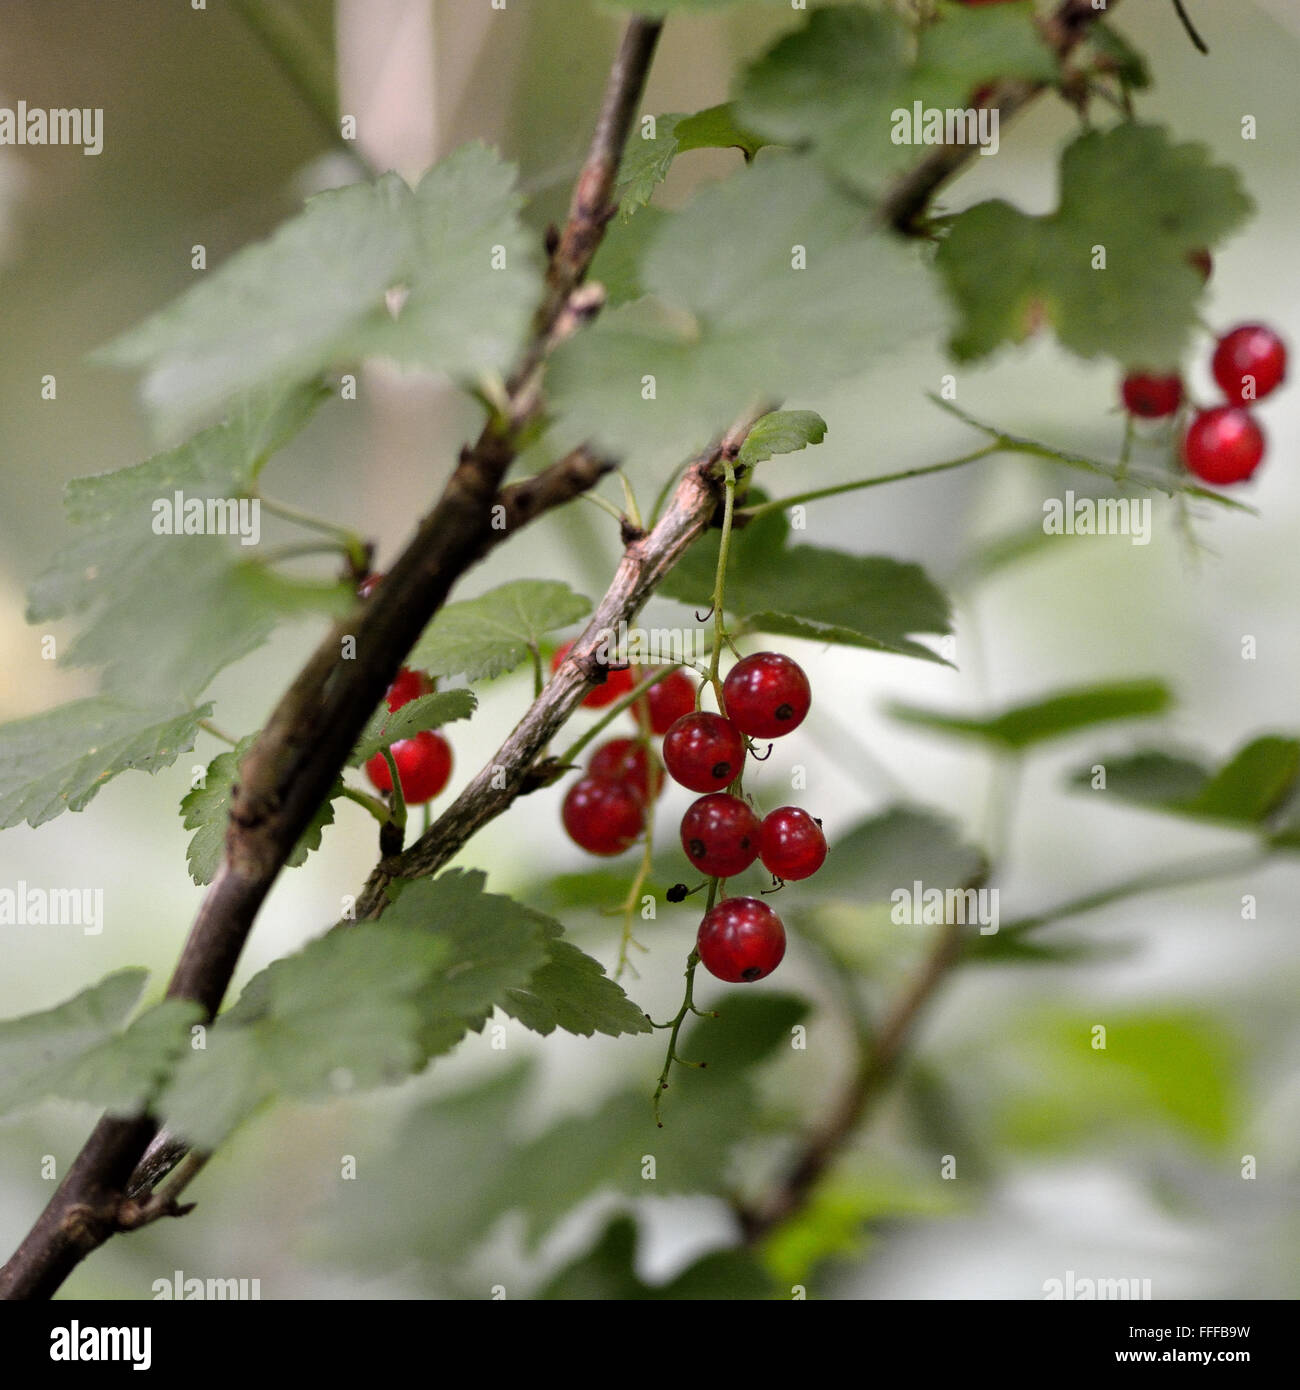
(628, 760)
(406, 686)
(618, 682)
(704, 752)
(1223, 445)
(791, 843)
(1248, 363)
(423, 764)
(673, 697)
(766, 695)
(741, 940)
(1150, 395)
(602, 816)
(720, 835)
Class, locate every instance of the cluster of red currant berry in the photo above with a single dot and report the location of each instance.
(423, 762)
(765, 695)
(1222, 443)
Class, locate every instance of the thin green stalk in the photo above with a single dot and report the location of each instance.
(398, 814)
(209, 727)
(347, 539)
(604, 504)
(1197, 870)
(720, 638)
(372, 804)
(613, 711)
(781, 503)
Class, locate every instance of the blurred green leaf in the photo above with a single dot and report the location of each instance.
(608, 1271)
(312, 296)
(769, 282)
(163, 613)
(57, 761)
(892, 850)
(838, 84)
(1169, 1068)
(1246, 790)
(484, 637)
(1131, 190)
(363, 1006)
(1039, 721)
(79, 1050)
(646, 160)
(807, 591)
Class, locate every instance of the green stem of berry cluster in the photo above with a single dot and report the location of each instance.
(612, 712)
(627, 940)
(675, 1024)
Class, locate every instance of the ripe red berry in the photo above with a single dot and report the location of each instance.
(741, 940)
(1223, 445)
(618, 682)
(628, 760)
(602, 816)
(423, 764)
(1248, 363)
(704, 751)
(673, 697)
(1150, 395)
(766, 695)
(406, 686)
(791, 843)
(720, 835)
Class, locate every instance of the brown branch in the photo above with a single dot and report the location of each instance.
(289, 770)
(506, 776)
(905, 203)
(879, 1058)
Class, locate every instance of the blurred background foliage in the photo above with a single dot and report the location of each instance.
(518, 1167)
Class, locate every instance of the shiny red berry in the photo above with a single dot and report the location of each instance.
(603, 816)
(673, 697)
(618, 682)
(628, 760)
(766, 695)
(791, 843)
(720, 835)
(1151, 395)
(741, 940)
(423, 764)
(1248, 363)
(1223, 445)
(704, 751)
(406, 686)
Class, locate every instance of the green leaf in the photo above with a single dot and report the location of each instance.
(1115, 54)
(1147, 201)
(895, 849)
(431, 711)
(571, 991)
(730, 314)
(619, 261)
(781, 432)
(1176, 1068)
(163, 613)
(704, 1113)
(205, 809)
(79, 1050)
(363, 1006)
(843, 83)
(57, 761)
(487, 636)
(807, 591)
(608, 1271)
(312, 296)
(646, 160)
(1039, 721)
(1248, 789)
